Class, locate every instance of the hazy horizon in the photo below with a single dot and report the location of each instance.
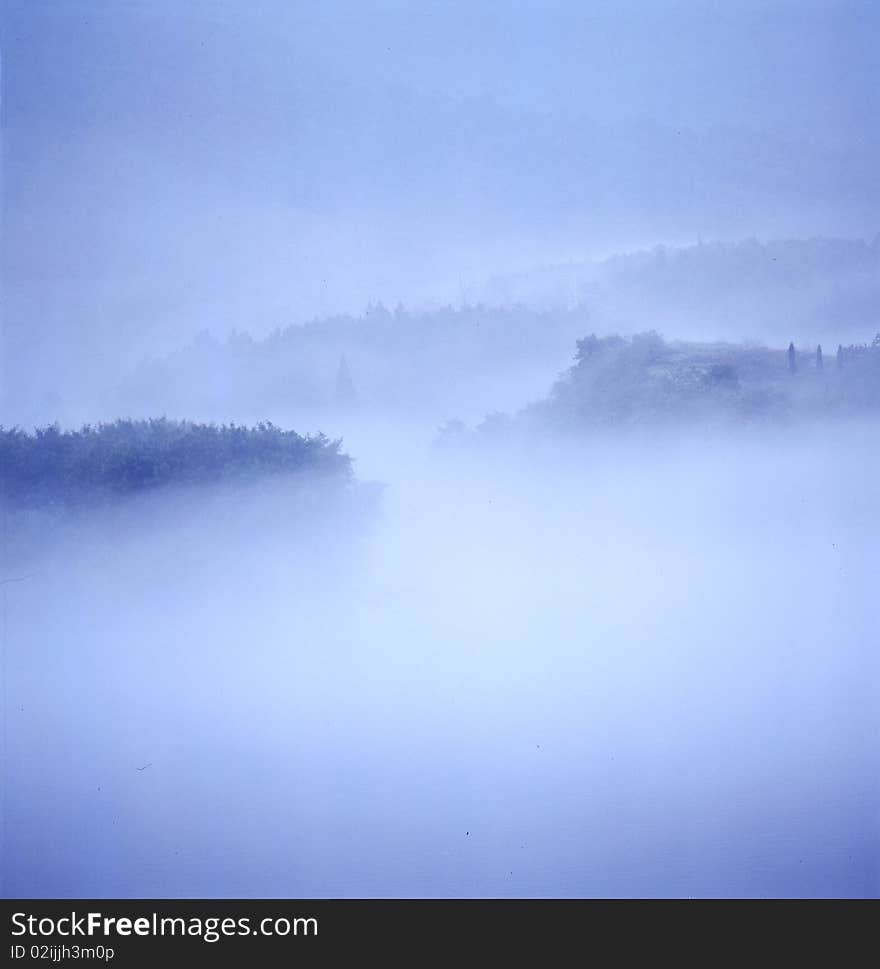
(174, 167)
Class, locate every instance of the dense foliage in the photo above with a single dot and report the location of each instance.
(618, 381)
(646, 378)
(53, 465)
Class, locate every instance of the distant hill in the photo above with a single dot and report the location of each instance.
(399, 360)
(790, 289)
(643, 380)
(501, 352)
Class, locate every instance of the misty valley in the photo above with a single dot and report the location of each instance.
(440, 457)
(617, 641)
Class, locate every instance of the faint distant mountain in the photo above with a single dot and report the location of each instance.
(778, 290)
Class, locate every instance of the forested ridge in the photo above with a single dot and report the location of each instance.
(809, 291)
(644, 379)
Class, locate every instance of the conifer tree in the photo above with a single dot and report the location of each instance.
(345, 394)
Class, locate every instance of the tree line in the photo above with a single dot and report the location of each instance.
(51, 465)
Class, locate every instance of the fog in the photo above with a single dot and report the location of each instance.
(595, 612)
(646, 670)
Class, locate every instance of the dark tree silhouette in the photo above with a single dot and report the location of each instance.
(52, 466)
(792, 358)
(345, 394)
(819, 362)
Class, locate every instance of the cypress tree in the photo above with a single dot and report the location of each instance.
(345, 394)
